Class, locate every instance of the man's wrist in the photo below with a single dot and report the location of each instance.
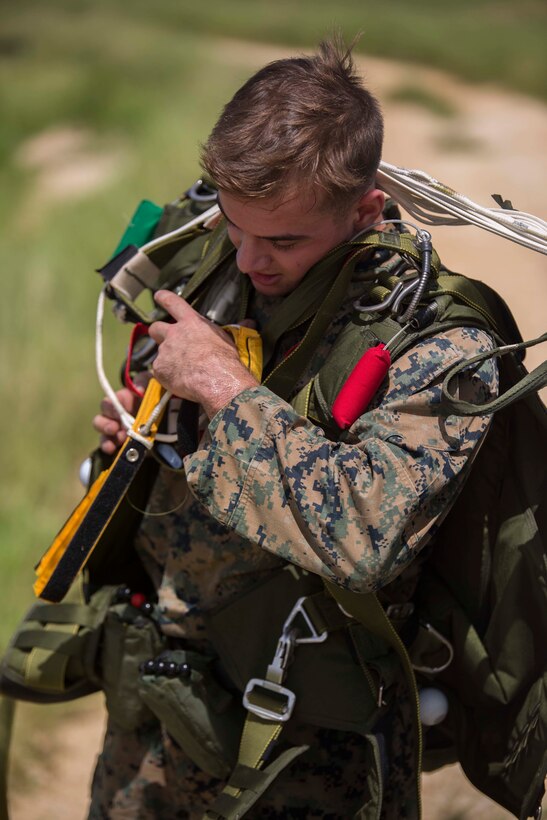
(220, 392)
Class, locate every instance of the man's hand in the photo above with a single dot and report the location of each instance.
(196, 359)
(108, 424)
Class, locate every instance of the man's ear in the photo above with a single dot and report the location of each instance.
(368, 209)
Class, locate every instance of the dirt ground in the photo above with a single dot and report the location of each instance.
(494, 143)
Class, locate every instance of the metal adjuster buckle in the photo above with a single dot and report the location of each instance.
(278, 667)
(285, 710)
(396, 612)
(300, 609)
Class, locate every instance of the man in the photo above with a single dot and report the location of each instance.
(294, 157)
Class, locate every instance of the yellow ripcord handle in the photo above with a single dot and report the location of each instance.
(53, 555)
(249, 347)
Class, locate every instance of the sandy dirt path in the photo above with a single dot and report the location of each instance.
(495, 143)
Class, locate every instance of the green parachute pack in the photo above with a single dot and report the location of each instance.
(483, 588)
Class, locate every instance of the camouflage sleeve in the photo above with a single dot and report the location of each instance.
(355, 512)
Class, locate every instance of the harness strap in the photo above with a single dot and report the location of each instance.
(247, 784)
(47, 669)
(367, 609)
(250, 779)
(282, 379)
(322, 614)
(529, 383)
(215, 252)
(64, 613)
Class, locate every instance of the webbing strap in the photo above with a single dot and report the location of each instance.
(77, 614)
(530, 383)
(367, 609)
(235, 801)
(282, 379)
(249, 780)
(403, 243)
(216, 251)
(463, 289)
(165, 251)
(53, 641)
(302, 303)
(84, 528)
(44, 668)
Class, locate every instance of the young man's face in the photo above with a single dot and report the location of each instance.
(278, 241)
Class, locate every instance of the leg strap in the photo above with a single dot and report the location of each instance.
(247, 783)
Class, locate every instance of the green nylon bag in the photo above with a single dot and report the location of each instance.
(484, 587)
(52, 656)
(203, 717)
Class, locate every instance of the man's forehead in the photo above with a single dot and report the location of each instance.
(270, 216)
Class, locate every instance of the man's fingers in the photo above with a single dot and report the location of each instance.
(127, 399)
(177, 307)
(158, 331)
(106, 426)
(107, 446)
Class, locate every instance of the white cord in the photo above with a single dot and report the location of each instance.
(126, 418)
(168, 237)
(434, 203)
(145, 429)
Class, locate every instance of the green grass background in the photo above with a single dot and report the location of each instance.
(146, 83)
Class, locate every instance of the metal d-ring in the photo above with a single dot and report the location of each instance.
(405, 291)
(201, 191)
(401, 290)
(383, 305)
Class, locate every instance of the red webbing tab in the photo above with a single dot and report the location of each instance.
(361, 385)
(139, 330)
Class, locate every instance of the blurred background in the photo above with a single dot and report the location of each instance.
(103, 103)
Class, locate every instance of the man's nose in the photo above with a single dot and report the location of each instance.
(252, 256)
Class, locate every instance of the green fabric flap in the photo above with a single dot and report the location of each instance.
(142, 226)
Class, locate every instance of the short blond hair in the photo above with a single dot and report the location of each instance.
(305, 121)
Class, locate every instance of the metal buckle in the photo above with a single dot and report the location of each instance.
(202, 192)
(299, 609)
(261, 711)
(396, 612)
(278, 667)
(289, 639)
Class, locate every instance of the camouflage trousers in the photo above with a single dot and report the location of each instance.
(144, 775)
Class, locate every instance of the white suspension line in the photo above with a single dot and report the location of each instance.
(166, 238)
(126, 418)
(434, 203)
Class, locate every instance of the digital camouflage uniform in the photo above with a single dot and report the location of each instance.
(265, 487)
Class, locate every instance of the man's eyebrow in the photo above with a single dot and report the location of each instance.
(282, 238)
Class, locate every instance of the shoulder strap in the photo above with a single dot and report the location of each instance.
(368, 611)
(528, 383)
